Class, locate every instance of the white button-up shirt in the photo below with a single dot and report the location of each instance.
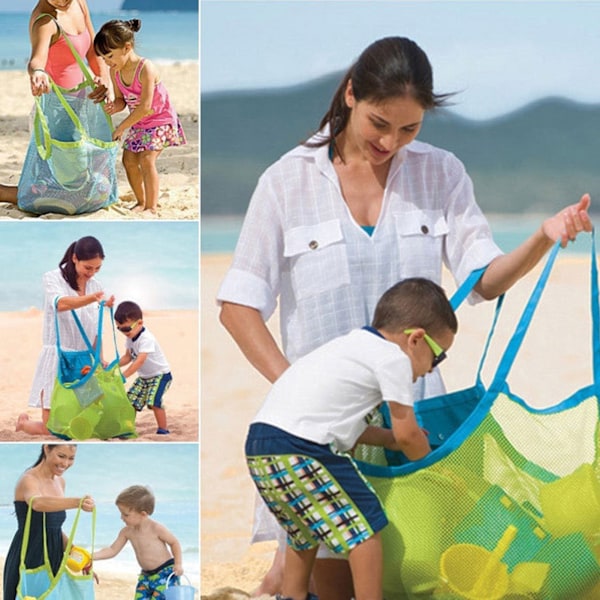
(300, 244)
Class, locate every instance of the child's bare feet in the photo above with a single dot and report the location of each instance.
(23, 418)
(138, 208)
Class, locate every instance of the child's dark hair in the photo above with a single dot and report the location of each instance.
(115, 34)
(138, 497)
(415, 302)
(391, 67)
(128, 311)
(85, 248)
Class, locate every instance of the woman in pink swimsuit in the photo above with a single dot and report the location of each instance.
(51, 56)
(152, 123)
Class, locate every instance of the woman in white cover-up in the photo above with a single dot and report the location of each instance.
(70, 287)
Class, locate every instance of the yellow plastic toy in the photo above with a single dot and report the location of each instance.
(78, 559)
(476, 573)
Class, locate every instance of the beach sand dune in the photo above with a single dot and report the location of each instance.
(177, 167)
(177, 332)
(554, 361)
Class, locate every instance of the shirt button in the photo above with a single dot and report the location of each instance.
(313, 244)
(424, 229)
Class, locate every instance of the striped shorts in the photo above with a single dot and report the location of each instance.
(316, 495)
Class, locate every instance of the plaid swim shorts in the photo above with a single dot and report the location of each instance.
(149, 392)
(316, 495)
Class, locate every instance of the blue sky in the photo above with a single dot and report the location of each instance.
(499, 55)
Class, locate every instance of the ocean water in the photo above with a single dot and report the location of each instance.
(165, 37)
(219, 234)
(103, 470)
(153, 263)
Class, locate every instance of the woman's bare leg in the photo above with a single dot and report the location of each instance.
(8, 193)
(24, 423)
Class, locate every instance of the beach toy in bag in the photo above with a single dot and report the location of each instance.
(515, 508)
(476, 573)
(177, 591)
(79, 559)
(70, 164)
(89, 400)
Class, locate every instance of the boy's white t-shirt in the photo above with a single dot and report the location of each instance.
(156, 362)
(325, 396)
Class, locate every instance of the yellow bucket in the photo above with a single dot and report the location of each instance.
(475, 573)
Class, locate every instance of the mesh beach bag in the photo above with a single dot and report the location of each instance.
(89, 399)
(67, 584)
(508, 505)
(70, 164)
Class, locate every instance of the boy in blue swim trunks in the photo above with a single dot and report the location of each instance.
(144, 356)
(298, 445)
(157, 550)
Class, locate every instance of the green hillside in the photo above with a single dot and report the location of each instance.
(536, 159)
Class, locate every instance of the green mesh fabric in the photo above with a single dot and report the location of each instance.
(512, 511)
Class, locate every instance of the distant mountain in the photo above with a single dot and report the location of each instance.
(160, 5)
(536, 159)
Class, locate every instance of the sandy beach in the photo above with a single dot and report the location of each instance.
(554, 361)
(177, 167)
(177, 332)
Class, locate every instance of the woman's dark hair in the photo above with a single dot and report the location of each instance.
(391, 67)
(85, 248)
(42, 455)
(115, 34)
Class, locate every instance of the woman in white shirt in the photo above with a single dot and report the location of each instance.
(70, 287)
(358, 207)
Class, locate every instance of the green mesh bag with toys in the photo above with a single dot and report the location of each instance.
(89, 399)
(74, 579)
(508, 504)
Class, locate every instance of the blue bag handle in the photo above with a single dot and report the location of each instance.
(459, 296)
(516, 340)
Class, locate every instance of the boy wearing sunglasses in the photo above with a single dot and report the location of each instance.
(144, 356)
(298, 446)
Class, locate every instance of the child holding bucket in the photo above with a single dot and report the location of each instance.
(157, 550)
(153, 123)
(144, 356)
(298, 443)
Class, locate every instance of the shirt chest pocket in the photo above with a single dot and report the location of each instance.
(421, 236)
(317, 256)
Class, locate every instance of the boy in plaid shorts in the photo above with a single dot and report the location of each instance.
(144, 356)
(298, 446)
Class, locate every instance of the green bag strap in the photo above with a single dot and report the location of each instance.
(42, 135)
(67, 550)
(89, 78)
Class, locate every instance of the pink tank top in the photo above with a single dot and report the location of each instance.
(163, 113)
(61, 64)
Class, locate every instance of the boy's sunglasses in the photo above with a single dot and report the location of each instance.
(438, 352)
(128, 328)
